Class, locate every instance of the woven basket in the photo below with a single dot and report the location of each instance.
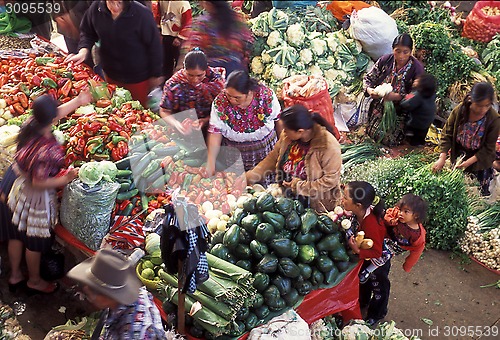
(6, 159)
(150, 284)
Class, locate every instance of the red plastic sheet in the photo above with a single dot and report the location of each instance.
(71, 240)
(343, 298)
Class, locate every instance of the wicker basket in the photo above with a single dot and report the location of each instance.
(6, 160)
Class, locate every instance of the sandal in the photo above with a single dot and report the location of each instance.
(51, 288)
(13, 287)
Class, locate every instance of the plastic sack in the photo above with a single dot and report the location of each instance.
(293, 4)
(341, 8)
(321, 102)
(287, 326)
(479, 25)
(374, 29)
(86, 212)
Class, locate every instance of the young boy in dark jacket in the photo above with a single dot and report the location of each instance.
(421, 107)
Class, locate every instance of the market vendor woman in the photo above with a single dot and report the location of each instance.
(307, 159)
(193, 87)
(470, 135)
(398, 69)
(32, 198)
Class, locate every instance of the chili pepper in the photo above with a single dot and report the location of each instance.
(105, 130)
(79, 84)
(124, 134)
(110, 146)
(70, 158)
(23, 100)
(66, 125)
(114, 126)
(103, 103)
(24, 88)
(53, 93)
(48, 82)
(44, 60)
(64, 90)
(123, 205)
(120, 120)
(123, 147)
(92, 127)
(80, 75)
(101, 157)
(80, 146)
(94, 140)
(18, 108)
(117, 139)
(91, 149)
(37, 92)
(199, 198)
(3, 79)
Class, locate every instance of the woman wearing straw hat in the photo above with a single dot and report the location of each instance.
(110, 284)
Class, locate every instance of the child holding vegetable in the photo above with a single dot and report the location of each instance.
(368, 209)
(405, 231)
(421, 107)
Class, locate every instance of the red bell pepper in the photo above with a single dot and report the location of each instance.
(114, 126)
(64, 90)
(82, 75)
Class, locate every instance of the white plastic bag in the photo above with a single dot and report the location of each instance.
(287, 326)
(375, 29)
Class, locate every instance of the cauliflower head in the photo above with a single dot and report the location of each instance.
(257, 66)
(306, 56)
(318, 46)
(266, 58)
(279, 72)
(295, 35)
(315, 70)
(274, 39)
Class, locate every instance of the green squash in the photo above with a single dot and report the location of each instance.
(292, 221)
(259, 299)
(268, 264)
(292, 297)
(331, 275)
(232, 237)
(220, 251)
(317, 278)
(288, 268)
(305, 270)
(261, 281)
(302, 239)
(243, 252)
(283, 284)
(283, 205)
(258, 249)
(271, 295)
(304, 288)
(339, 254)
(279, 305)
(218, 236)
(298, 206)
(307, 253)
(251, 322)
(284, 248)
(265, 202)
(262, 312)
(250, 205)
(250, 223)
(329, 243)
(264, 232)
(308, 221)
(324, 263)
(326, 224)
(276, 220)
(245, 264)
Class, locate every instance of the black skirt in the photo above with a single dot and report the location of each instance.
(8, 231)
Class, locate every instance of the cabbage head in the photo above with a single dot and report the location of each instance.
(109, 170)
(90, 173)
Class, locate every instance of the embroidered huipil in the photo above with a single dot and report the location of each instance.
(471, 134)
(140, 320)
(41, 158)
(179, 95)
(252, 123)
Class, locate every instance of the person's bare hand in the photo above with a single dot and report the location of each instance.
(72, 174)
(438, 166)
(75, 58)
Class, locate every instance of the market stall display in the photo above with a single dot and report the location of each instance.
(268, 254)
